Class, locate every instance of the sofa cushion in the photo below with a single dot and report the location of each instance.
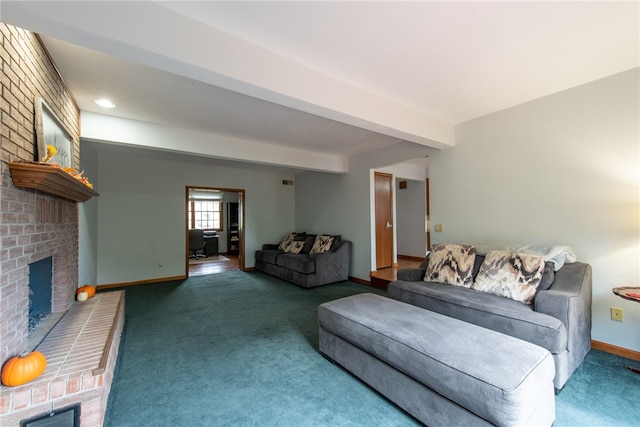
(268, 255)
(477, 264)
(297, 262)
(548, 274)
(511, 275)
(451, 264)
(486, 310)
(309, 240)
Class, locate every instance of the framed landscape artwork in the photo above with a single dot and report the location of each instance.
(49, 130)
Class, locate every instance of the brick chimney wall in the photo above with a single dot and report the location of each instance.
(33, 225)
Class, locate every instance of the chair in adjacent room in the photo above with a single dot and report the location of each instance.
(196, 243)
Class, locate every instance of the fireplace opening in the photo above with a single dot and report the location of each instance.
(40, 292)
(65, 417)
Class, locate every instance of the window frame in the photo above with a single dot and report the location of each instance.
(191, 213)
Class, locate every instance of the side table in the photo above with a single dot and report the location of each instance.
(632, 294)
(627, 292)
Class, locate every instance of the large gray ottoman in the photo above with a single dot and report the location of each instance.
(441, 370)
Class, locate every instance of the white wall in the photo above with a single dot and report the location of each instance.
(563, 169)
(88, 222)
(341, 203)
(141, 213)
(411, 233)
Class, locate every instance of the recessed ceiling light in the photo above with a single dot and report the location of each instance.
(106, 103)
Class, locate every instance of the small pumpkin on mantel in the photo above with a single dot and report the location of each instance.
(90, 290)
(23, 368)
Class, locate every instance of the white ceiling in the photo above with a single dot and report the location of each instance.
(453, 60)
(329, 77)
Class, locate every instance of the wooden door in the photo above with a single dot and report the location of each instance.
(384, 219)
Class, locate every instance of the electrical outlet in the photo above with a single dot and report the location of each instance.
(160, 264)
(617, 314)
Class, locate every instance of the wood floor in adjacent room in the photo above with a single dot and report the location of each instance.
(384, 276)
(212, 265)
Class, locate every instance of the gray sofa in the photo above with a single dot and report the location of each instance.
(559, 319)
(306, 269)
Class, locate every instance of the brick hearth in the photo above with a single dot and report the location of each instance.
(81, 355)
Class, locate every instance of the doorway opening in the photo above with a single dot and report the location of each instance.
(214, 230)
(403, 235)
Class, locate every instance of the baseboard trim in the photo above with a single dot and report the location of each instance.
(361, 281)
(614, 349)
(139, 282)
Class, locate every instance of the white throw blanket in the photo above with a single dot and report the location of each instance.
(558, 255)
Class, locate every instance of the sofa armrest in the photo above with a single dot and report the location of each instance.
(410, 274)
(333, 266)
(268, 246)
(569, 299)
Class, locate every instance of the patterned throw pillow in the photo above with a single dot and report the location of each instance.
(287, 241)
(294, 247)
(322, 244)
(510, 275)
(451, 264)
(290, 238)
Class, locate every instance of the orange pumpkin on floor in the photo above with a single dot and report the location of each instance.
(24, 368)
(90, 290)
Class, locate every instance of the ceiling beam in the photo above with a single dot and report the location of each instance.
(153, 35)
(115, 130)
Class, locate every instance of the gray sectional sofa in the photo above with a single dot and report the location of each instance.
(473, 336)
(306, 268)
(559, 318)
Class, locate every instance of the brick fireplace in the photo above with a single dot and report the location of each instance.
(82, 348)
(34, 226)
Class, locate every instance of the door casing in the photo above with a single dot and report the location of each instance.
(241, 211)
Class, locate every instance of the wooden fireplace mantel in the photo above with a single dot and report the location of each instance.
(50, 179)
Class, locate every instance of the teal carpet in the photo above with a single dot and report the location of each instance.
(241, 349)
